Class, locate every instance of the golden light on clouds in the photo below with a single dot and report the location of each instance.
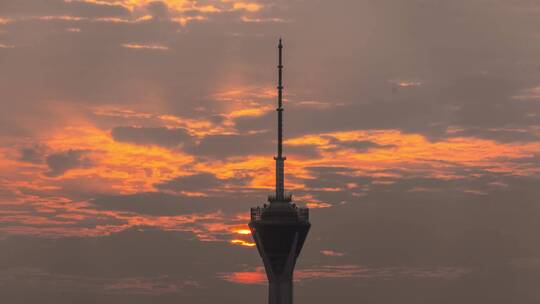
(243, 231)
(253, 112)
(105, 165)
(179, 11)
(246, 277)
(248, 6)
(406, 83)
(243, 243)
(414, 152)
(184, 5)
(262, 20)
(316, 205)
(74, 18)
(245, 94)
(112, 160)
(146, 46)
(184, 20)
(332, 253)
(258, 276)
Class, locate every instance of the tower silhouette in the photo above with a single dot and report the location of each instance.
(280, 227)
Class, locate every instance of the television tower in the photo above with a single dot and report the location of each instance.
(280, 227)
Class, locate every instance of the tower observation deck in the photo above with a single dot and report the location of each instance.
(280, 227)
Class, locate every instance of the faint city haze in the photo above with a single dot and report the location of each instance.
(135, 135)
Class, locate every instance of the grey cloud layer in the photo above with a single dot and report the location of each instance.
(61, 162)
(468, 68)
(158, 136)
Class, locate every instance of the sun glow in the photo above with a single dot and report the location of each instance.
(246, 277)
(242, 243)
(243, 231)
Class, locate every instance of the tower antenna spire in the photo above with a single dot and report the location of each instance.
(280, 159)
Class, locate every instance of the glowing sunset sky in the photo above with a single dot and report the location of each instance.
(136, 134)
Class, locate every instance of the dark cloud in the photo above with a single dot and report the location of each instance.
(209, 146)
(408, 115)
(25, 8)
(152, 203)
(440, 225)
(205, 182)
(219, 146)
(59, 163)
(34, 154)
(158, 9)
(336, 169)
(332, 178)
(302, 151)
(213, 146)
(167, 137)
(158, 203)
(358, 145)
(509, 135)
(195, 182)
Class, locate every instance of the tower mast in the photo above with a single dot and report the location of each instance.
(280, 159)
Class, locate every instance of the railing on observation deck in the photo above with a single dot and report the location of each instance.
(256, 213)
(302, 213)
(286, 198)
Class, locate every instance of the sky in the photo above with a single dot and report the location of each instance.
(135, 135)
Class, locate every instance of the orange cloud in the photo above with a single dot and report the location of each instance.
(413, 152)
(242, 229)
(157, 47)
(124, 168)
(184, 20)
(406, 83)
(316, 205)
(242, 243)
(183, 5)
(332, 253)
(110, 160)
(245, 277)
(248, 6)
(262, 20)
(257, 276)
